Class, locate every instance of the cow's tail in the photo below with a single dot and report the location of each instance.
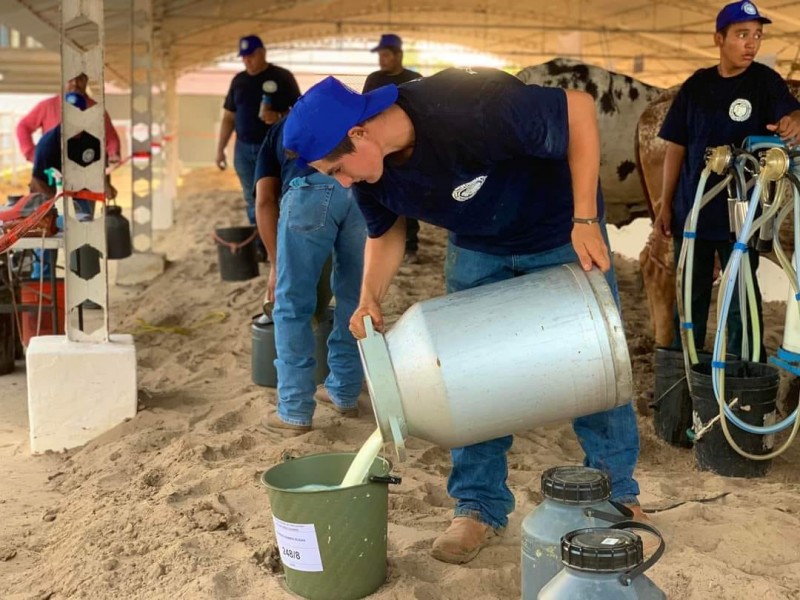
(642, 179)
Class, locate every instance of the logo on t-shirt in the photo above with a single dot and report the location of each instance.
(740, 109)
(467, 190)
(269, 86)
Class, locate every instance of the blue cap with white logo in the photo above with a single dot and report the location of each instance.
(739, 12)
(77, 100)
(326, 112)
(249, 44)
(390, 41)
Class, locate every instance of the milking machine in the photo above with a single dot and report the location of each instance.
(762, 178)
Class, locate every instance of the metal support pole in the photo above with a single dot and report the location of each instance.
(141, 120)
(82, 20)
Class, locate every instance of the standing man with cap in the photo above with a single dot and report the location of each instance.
(392, 71)
(241, 113)
(304, 217)
(717, 106)
(511, 170)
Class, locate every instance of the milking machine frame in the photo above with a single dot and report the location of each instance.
(770, 172)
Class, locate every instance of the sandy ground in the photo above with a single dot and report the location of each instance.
(169, 505)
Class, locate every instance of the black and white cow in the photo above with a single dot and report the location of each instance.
(620, 100)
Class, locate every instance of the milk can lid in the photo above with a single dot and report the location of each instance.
(601, 550)
(383, 390)
(576, 485)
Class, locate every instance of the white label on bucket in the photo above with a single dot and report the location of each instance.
(298, 545)
(610, 541)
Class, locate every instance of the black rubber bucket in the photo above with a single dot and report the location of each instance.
(8, 343)
(236, 249)
(672, 404)
(756, 387)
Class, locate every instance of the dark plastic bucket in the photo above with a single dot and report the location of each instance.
(756, 387)
(7, 333)
(672, 404)
(262, 364)
(236, 249)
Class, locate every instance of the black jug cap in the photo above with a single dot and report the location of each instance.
(601, 550)
(576, 485)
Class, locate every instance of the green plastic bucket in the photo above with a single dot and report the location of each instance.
(332, 543)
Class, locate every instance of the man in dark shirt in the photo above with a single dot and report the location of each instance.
(718, 106)
(303, 218)
(511, 171)
(241, 112)
(83, 149)
(390, 60)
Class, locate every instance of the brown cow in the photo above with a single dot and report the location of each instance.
(656, 259)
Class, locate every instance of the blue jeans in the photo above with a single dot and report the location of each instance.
(317, 217)
(609, 439)
(244, 162)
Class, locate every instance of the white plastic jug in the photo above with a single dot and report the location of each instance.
(479, 364)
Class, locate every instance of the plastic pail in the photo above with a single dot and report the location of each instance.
(7, 333)
(236, 249)
(262, 365)
(756, 387)
(332, 543)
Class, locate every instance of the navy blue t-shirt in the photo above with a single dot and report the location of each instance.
(489, 164)
(273, 162)
(244, 99)
(47, 154)
(83, 149)
(709, 111)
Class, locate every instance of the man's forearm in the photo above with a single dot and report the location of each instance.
(225, 132)
(673, 161)
(267, 213)
(583, 153)
(382, 258)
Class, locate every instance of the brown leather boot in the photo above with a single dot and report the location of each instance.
(462, 540)
(274, 424)
(323, 397)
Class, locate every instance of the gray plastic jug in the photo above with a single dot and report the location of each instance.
(575, 497)
(605, 564)
(262, 363)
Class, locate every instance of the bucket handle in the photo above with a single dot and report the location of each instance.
(625, 513)
(388, 479)
(628, 576)
(234, 247)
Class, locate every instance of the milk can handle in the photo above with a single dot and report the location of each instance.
(628, 576)
(368, 328)
(625, 513)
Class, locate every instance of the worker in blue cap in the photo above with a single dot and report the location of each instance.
(718, 106)
(241, 113)
(392, 71)
(512, 172)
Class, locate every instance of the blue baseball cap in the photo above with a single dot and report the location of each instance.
(326, 112)
(389, 40)
(739, 12)
(77, 100)
(249, 44)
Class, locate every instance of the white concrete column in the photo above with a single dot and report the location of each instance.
(81, 385)
(83, 164)
(141, 123)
